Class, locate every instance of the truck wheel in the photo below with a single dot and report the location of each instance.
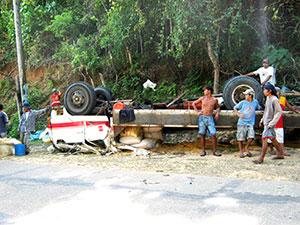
(102, 94)
(234, 88)
(80, 98)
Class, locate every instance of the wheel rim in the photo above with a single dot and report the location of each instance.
(237, 93)
(78, 98)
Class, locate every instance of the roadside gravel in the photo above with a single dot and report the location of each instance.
(181, 158)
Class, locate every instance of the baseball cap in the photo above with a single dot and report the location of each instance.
(248, 92)
(26, 105)
(266, 61)
(54, 89)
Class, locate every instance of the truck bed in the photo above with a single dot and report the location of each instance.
(189, 119)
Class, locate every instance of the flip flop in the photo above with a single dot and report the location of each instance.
(242, 156)
(217, 154)
(203, 153)
(257, 162)
(277, 157)
(286, 154)
(249, 154)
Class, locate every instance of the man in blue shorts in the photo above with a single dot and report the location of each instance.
(245, 127)
(206, 119)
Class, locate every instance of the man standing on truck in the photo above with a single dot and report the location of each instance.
(206, 119)
(272, 113)
(266, 73)
(245, 127)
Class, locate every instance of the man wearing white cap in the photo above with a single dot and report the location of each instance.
(266, 73)
(245, 127)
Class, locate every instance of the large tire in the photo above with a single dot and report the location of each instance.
(103, 94)
(233, 90)
(80, 99)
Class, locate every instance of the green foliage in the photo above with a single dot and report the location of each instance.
(130, 41)
(13, 125)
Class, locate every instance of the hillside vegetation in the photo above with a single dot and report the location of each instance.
(178, 44)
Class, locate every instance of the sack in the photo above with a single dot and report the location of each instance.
(130, 140)
(154, 135)
(152, 129)
(131, 131)
(146, 143)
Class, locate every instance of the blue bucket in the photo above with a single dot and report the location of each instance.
(19, 149)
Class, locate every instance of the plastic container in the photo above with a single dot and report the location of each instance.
(19, 149)
(119, 105)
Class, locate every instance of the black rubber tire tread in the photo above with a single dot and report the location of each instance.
(103, 93)
(87, 106)
(233, 82)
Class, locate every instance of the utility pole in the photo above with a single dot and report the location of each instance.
(20, 55)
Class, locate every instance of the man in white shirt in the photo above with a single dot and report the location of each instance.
(266, 73)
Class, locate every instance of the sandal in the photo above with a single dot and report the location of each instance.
(242, 155)
(277, 157)
(249, 154)
(286, 154)
(203, 153)
(256, 161)
(217, 154)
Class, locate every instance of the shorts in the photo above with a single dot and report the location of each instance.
(207, 124)
(268, 133)
(244, 132)
(279, 134)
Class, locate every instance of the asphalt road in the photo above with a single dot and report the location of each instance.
(45, 194)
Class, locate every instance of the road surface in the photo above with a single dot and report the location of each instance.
(46, 194)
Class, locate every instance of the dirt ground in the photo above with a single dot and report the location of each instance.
(181, 158)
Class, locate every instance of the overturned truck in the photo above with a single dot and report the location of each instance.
(90, 118)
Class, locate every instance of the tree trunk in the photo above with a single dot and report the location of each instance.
(214, 58)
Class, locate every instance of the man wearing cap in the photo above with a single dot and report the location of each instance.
(27, 124)
(266, 73)
(279, 130)
(55, 98)
(245, 127)
(272, 113)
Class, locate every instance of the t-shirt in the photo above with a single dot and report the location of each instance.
(265, 72)
(272, 111)
(282, 102)
(3, 121)
(247, 109)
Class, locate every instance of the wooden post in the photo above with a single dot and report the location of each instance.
(20, 52)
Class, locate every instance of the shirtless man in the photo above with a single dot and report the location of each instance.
(206, 119)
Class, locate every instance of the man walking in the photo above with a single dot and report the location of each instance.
(279, 130)
(245, 127)
(206, 119)
(3, 122)
(27, 124)
(270, 118)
